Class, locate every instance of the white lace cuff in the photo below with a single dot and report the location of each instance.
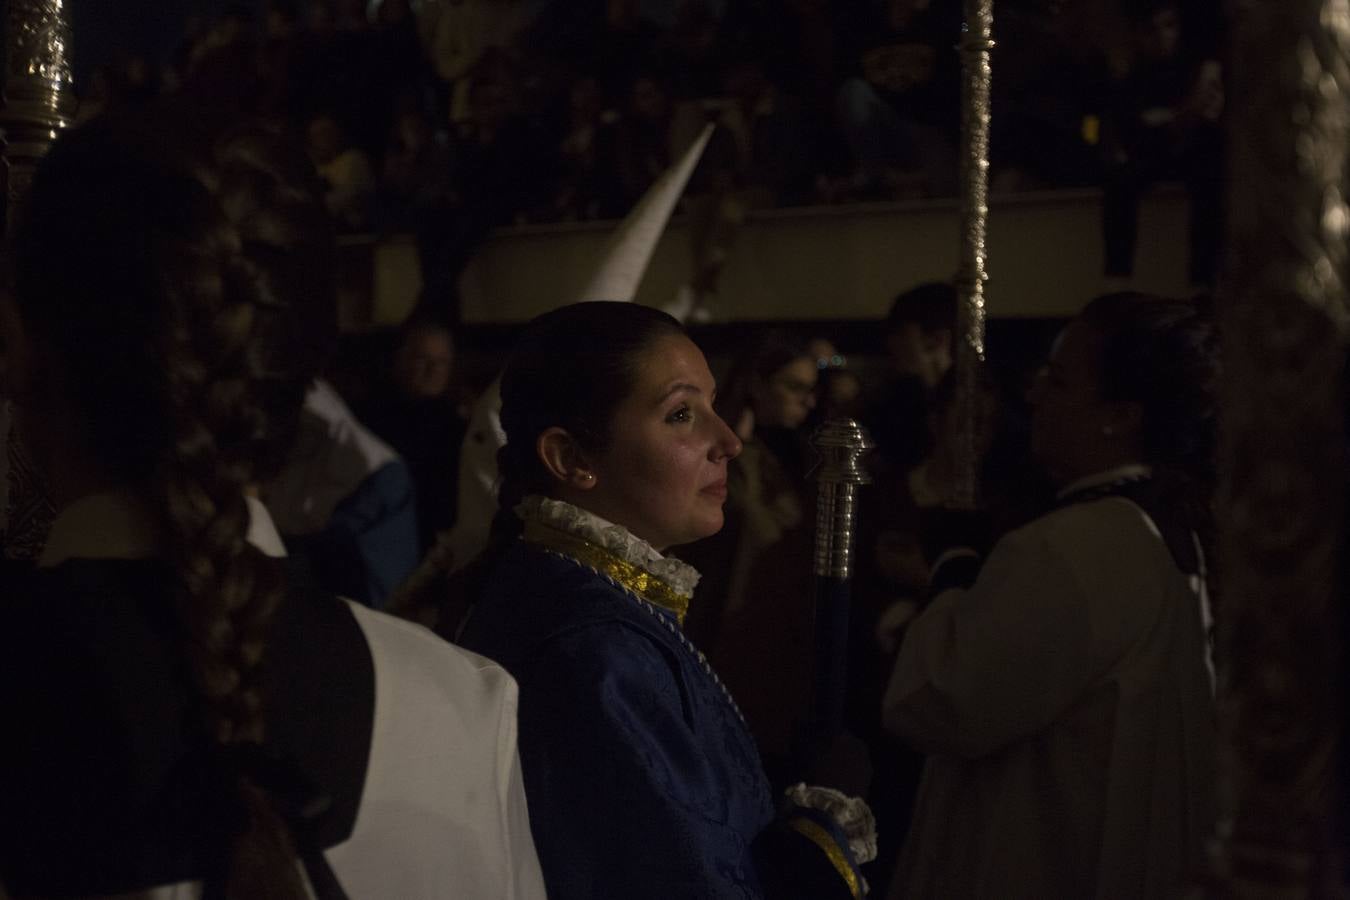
(852, 815)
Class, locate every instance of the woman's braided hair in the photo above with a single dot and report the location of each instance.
(188, 294)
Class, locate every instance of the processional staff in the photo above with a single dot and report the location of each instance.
(37, 105)
(976, 44)
(841, 444)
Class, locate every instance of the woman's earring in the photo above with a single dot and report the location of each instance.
(587, 477)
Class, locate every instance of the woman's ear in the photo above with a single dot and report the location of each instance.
(564, 459)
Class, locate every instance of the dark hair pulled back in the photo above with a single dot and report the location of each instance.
(184, 282)
(571, 369)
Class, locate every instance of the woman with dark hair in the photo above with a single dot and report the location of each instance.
(771, 389)
(187, 718)
(642, 778)
(1064, 690)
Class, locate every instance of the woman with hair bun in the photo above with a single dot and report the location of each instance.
(1064, 690)
(181, 720)
(642, 778)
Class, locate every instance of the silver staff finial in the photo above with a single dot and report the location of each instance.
(841, 444)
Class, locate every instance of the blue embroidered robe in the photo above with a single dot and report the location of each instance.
(641, 778)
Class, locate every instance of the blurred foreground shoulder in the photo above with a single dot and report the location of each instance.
(444, 803)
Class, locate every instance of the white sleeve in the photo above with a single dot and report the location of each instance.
(443, 807)
(983, 667)
(527, 879)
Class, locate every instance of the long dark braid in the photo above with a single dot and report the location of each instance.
(226, 593)
(189, 342)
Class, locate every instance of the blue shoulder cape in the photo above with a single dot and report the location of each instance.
(641, 777)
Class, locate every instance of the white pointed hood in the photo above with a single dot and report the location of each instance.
(616, 278)
(633, 242)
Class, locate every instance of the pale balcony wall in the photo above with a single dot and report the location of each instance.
(839, 262)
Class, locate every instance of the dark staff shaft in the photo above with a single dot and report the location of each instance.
(841, 444)
(834, 552)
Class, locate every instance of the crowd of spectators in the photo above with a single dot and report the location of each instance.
(448, 117)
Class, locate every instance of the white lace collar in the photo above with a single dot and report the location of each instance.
(680, 577)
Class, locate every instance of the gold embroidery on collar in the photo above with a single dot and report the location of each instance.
(634, 578)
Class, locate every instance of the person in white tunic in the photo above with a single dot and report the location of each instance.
(1064, 690)
(182, 721)
(345, 503)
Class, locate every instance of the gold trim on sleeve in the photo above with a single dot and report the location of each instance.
(822, 839)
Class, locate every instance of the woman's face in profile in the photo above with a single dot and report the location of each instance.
(786, 398)
(664, 474)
